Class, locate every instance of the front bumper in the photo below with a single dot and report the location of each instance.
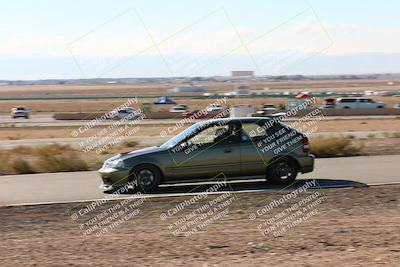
(113, 178)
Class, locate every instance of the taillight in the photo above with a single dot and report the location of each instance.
(306, 144)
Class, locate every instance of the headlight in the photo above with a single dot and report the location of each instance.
(116, 164)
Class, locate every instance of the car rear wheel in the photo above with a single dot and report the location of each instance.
(147, 176)
(282, 171)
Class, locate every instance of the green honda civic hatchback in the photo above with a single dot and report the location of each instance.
(217, 149)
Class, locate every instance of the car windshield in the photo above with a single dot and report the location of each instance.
(180, 137)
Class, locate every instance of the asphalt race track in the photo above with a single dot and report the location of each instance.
(84, 186)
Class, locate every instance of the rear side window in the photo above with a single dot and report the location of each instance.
(253, 130)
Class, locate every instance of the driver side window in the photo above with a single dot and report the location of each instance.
(209, 135)
(214, 134)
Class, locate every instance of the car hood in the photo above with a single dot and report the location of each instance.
(139, 152)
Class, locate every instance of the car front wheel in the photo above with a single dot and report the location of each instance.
(147, 176)
(282, 171)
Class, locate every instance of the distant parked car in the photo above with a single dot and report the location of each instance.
(397, 105)
(214, 107)
(20, 112)
(179, 109)
(125, 113)
(358, 103)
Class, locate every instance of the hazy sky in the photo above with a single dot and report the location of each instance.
(122, 38)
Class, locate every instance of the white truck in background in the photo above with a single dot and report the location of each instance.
(355, 103)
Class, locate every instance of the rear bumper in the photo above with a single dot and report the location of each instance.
(306, 163)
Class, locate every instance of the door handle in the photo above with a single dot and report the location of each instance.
(227, 150)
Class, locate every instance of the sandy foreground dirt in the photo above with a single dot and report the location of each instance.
(337, 227)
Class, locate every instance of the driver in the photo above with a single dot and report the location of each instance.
(226, 134)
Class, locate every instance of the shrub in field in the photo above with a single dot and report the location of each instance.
(49, 158)
(21, 166)
(58, 158)
(386, 134)
(4, 166)
(333, 147)
(96, 163)
(396, 135)
(128, 144)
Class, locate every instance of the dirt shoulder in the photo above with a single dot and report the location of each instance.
(351, 227)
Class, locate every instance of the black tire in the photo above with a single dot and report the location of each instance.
(346, 107)
(148, 176)
(282, 171)
(380, 106)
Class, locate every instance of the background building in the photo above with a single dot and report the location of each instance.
(242, 73)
